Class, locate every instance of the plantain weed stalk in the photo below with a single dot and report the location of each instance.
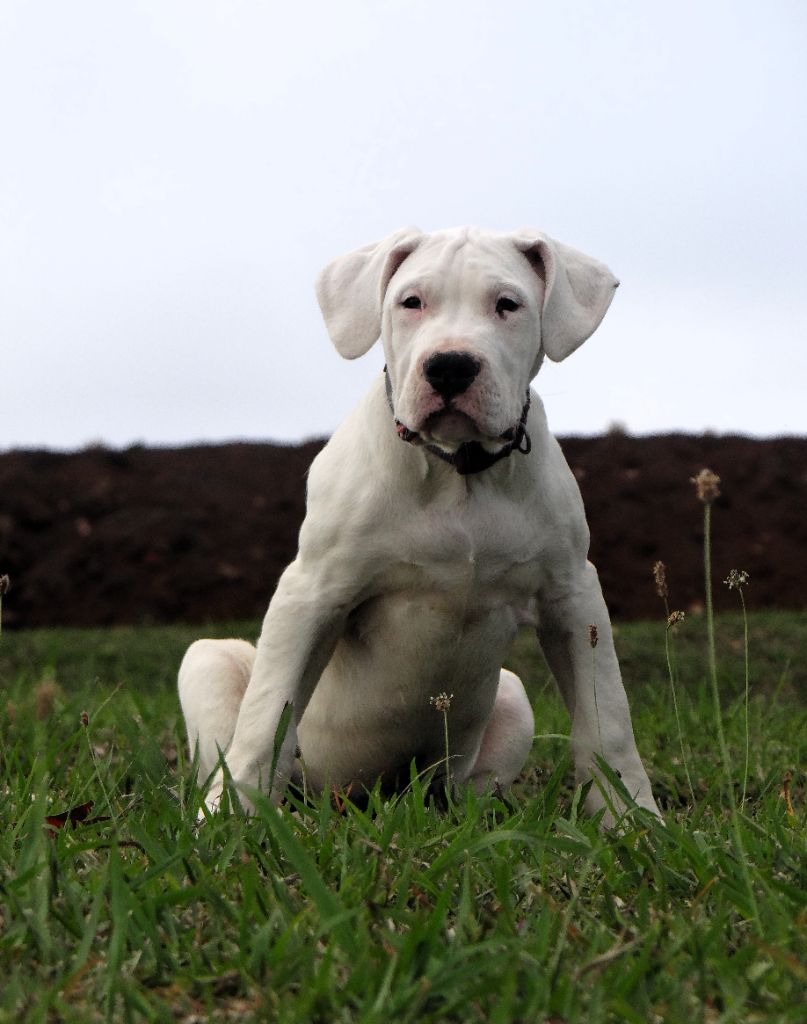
(736, 580)
(708, 490)
(442, 702)
(674, 619)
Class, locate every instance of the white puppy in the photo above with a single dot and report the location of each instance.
(441, 516)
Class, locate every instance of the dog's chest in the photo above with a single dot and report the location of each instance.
(464, 560)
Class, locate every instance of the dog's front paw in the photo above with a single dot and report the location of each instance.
(213, 797)
(632, 790)
(223, 795)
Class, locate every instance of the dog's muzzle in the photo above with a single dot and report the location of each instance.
(470, 457)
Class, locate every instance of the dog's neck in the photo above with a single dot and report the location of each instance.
(471, 456)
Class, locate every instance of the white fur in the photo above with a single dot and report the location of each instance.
(410, 579)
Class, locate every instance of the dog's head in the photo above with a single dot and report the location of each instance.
(465, 317)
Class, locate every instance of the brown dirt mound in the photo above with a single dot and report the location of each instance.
(201, 534)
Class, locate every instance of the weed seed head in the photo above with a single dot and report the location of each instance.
(674, 619)
(707, 486)
(442, 701)
(593, 636)
(660, 576)
(736, 579)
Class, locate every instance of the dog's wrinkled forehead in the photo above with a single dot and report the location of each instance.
(458, 260)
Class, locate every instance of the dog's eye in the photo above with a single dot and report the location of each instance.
(505, 305)
(412, 302)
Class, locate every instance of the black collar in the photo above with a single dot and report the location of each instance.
(470, 457)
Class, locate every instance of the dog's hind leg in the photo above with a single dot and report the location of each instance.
(507, 738)
(212, 679)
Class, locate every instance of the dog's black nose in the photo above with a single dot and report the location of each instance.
(451, 373)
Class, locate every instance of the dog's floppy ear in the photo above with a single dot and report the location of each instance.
(578, 291)
(350, 291)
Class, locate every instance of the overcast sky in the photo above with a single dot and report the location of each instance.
(174, 174)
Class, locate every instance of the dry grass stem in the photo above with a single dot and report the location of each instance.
(5, 584)
(45, 698)
(736, 580)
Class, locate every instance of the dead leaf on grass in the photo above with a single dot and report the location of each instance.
(79, 815)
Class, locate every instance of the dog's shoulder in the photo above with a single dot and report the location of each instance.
(348, 489)
(356, 453)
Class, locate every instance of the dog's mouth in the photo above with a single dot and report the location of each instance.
(450, 427)
(458, 438)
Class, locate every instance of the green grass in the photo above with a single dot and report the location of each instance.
(486, 912)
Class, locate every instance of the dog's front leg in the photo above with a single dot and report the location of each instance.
(575, 635)
(299, 633)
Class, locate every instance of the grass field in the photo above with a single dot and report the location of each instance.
(487, 911)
